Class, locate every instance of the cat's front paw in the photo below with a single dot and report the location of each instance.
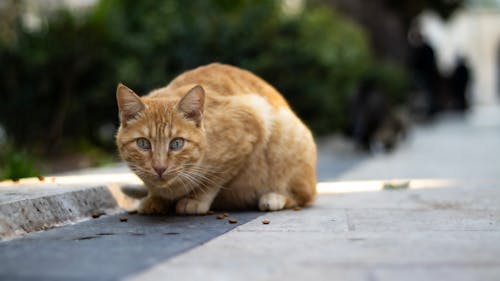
(153, 206)
(190, 206)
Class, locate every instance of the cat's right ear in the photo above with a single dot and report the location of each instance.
(129, 104)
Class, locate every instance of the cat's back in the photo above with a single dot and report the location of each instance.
(226, 80)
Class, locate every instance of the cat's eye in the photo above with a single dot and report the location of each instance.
(143, 143)
(176, 144)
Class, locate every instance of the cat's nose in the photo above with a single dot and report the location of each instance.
(159, 170)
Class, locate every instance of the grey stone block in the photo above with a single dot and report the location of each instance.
(34, 205)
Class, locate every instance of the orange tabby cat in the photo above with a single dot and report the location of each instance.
(216, 137)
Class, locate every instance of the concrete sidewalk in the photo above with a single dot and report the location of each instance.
(448, 233)
(454, 147)
(445, 226)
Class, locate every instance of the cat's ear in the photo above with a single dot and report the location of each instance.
(192, 104)
(129, 103)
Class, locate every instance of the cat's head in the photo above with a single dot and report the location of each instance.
(160, 138)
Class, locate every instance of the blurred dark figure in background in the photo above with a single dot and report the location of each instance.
(425, 72)
(366, 109)
(458, 85)
(373, 123)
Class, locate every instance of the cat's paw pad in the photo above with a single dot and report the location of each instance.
(189, 206)
(272, 202)
(153, 206)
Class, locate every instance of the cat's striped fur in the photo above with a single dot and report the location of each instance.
(244, 147)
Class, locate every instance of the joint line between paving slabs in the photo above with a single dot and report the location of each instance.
(350, 225)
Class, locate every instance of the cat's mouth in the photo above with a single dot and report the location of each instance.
(160, 178)
(165, 178)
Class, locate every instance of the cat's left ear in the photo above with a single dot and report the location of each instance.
(192, 104)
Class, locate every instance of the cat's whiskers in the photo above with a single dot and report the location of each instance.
(206, 172)
(178, 173)
(184, 185)
(173, 170)
(211, 179)
(204, 178)
(200, 185)
(203, 168)
(140, 170)
(196, 182)
(190, 180)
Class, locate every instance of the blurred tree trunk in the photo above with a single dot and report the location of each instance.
(57, 127)
(9, 20)
(69, 76)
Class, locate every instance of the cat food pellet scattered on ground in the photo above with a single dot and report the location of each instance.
(221, 216)
(297, 208)
(232, 220)
(123, 219)
(97, 214)
(210, 212)
(41, 178)
(16, 180)
(226, 214)
(266, 221)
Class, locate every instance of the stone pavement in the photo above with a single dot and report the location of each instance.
(443, 224)
(455, 147)
(448, 233)
(110, 247)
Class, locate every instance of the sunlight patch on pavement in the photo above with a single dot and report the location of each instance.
(128, 178)
(118, 178)
(378, 185)
(112, 182)
(322, 187)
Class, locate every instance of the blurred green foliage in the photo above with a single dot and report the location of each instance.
(58, 82)
(16, 164)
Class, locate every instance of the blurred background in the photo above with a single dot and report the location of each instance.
(363, 70)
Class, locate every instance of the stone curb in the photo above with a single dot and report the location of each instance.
(32, 205)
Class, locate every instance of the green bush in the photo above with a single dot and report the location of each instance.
(58, 82)
(315, 58)
(16, 164)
